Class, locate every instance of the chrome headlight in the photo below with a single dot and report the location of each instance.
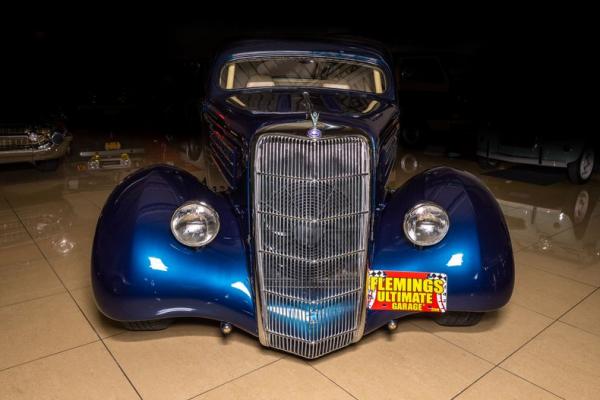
(426, 224)
(195, 224)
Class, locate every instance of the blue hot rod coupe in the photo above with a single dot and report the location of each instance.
(306, 248)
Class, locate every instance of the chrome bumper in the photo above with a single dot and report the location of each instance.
(113, 159)
(32, 154)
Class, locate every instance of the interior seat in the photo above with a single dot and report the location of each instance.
(259, 81)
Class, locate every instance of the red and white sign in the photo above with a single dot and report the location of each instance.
(407, 291)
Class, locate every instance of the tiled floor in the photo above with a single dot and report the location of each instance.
(54, 344)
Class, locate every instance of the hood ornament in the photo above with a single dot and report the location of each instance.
(314, 132)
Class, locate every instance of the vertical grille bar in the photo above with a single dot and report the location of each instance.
(311, 216)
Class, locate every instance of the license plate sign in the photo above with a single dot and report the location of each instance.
(407, 291)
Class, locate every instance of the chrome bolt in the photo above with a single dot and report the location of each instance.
(392, 325)
(226, 328)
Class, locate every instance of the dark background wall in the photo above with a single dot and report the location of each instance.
(513, 64)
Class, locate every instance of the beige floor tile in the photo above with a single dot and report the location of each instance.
(563, 360)
(186, 359)
(27, 280)
(25, 202)
(595, 210)
(546, 293)
(6, 214)
(406, 364)
(41, 327)
(3, 204)
(576, 264)
(21, 252)
(104, 326)
(68, 240)
(87, 372)
(586, 315)
(88, 212)
(502, 385)
(51, 226)
(12, 232)
(73, 268)
(497, 335)
(45, 218)
(48, 218)
(517, 246)
(289, 378)
(32, 193)
(98, 197)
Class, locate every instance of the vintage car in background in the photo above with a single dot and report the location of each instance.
(39, 140)
(305, 248)
(99, 149)
(508, 142)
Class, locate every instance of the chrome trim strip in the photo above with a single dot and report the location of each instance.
(523, 160)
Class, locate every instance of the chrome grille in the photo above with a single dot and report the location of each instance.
(311, 216)
(14, 142)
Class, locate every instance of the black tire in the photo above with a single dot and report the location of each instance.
(459, 318)
(47, 165)
(575, 170)
(155, 325)
(487, 163)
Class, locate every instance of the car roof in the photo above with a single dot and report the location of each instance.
(353, 48)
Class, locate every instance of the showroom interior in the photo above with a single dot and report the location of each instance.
(298, 208)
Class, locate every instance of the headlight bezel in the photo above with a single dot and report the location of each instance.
(194, 244)
(411, 214)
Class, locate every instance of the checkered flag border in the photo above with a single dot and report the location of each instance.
(434, 275)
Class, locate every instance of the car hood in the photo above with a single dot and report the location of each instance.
(248, 112)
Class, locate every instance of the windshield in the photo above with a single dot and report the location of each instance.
(302, 72)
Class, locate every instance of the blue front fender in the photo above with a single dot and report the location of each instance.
(141, 272)
(476, 254)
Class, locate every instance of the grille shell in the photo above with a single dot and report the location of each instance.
(311, 220)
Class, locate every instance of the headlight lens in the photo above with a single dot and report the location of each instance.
(195, 224)
(426, 224)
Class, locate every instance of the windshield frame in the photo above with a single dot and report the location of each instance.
(371, 62)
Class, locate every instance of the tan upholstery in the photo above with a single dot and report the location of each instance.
(259, 81)
(331, 85)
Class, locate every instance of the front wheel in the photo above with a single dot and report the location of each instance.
(580, 170)
(459, 318)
